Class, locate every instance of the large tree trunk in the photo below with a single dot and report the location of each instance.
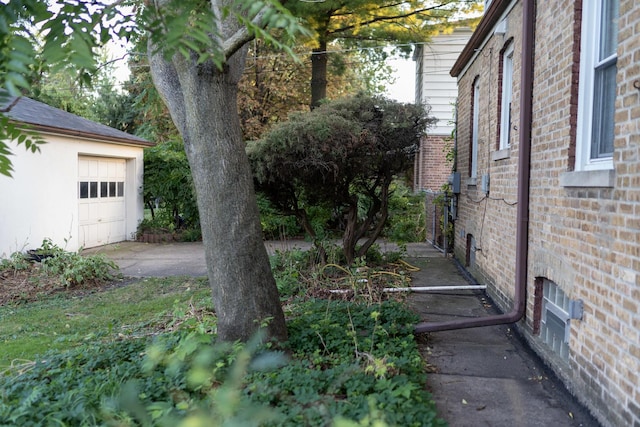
(202, 102)
(318, 74)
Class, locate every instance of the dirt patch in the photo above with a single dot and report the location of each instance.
(30, 284)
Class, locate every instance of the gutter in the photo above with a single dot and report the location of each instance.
(134, 142)
(524, 169)
(491, 16)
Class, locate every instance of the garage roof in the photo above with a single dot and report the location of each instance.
(44, 118)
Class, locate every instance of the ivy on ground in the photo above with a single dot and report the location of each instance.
(347, 364)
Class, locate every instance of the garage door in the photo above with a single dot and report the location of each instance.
(102, 213)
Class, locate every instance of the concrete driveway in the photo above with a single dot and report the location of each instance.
(137, 259)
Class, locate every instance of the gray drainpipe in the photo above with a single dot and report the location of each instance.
(522, 214)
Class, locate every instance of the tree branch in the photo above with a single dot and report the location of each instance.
(165, 78)
(384, 18)
(242, 36)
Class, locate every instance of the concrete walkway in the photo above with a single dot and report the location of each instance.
(479, 377)
(485, 376)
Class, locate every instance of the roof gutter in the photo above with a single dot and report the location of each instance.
(524, 169)
(491, 16)
(87, 135)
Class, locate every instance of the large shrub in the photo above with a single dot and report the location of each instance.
(341, 157)
(168, 184)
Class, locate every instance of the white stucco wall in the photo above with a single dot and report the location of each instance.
(41, 200)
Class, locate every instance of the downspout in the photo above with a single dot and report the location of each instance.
(522, 213)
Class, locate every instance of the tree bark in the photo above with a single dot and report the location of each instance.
(349, 238)
(203, 105)
(318, 74)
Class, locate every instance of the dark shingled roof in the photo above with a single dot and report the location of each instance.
(42, 117)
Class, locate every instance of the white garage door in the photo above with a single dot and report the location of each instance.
(101, 201)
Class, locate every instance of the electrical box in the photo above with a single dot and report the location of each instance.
(454, 181)
(485, 183)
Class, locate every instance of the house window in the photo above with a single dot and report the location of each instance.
(475, 113)
(88, 189)
(112, 189)
(93, 189)
(597, 90)
(84, 190)
(554, 325)
(507, 91)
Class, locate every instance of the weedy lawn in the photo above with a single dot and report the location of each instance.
(137, 353)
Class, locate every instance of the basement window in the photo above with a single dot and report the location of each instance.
(554, 327)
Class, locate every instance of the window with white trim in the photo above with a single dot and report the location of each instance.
(473, 158)
(507, 93)
(597, 90)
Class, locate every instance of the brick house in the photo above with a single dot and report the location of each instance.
(436, 88)
(548, 211)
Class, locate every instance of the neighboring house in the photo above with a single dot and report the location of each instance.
(549, 208)
(435, 87)
(83, 189)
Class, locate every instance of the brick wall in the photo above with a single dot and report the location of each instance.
(584, 239)
(431, 169)
(489, 217)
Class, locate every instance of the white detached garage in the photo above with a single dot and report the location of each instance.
(83, 189)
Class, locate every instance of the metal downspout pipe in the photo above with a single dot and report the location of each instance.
(522, 214)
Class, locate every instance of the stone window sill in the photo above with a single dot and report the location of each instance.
(501, 154)
(589, 179)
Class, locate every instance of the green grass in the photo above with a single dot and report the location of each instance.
(61, 322)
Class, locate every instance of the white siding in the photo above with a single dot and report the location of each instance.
(439, 89)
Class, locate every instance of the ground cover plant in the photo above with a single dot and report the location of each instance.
(141, 353)
(50, 269)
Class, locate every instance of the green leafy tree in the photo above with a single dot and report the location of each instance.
(167, 178)
(367, 23)
(100, 101)
(343, 156)
(274, 85)
(197, 51)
